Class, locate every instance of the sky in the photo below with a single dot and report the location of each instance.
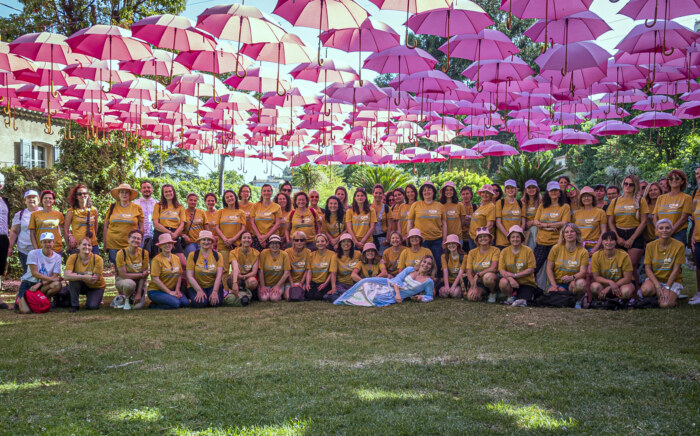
(620, 24)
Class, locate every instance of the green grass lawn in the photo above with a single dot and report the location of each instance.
(448, 367)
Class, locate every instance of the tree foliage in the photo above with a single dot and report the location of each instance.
(176, 163)
(307, 177)
(389, 177)
(537, 166)
(461, 178)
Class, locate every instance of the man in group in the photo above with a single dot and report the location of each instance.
(599, 193)
(613, 192)
(147, 203)
(286, 188)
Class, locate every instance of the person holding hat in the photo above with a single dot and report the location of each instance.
(662, 263)
(567, 264)
(47, 220)
(509, 213)
(347, 258)
(360, 219)
(484, 215)
(452, 260)
(274, 271)
(166, 270)
(195, 221)
(122, 217)
(551, 216)
(132, 264)
(612, 271)
(323, 267)
(391, 255)
(81, 220)
(455, 214)
(204, 270)
(19, 233)
(481, 266)
(43, 274)
(369, 265)
(415, 252)
(428, 216)
(299, 261)
(531, 202)
(591, 220)
(243, 280)
(517, 268)
(84, 276)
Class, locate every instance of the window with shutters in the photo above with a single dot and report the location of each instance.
(38, 156)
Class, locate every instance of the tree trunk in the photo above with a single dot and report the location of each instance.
(222, 161)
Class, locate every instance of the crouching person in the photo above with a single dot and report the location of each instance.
(204, 270)
(662, 262)
(84, 275)
(166, 270)
(567, 264)
(612, 271)
(273, 271)
(244, 272)
(132, 272)
(43, 273)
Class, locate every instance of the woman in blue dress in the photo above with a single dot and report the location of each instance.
(409, 283)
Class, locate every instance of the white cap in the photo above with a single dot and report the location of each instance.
(2, 179)
(46, 236)
(510, 182)
(530, 182)
(30, 193)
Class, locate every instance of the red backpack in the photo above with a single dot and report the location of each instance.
(37, 301)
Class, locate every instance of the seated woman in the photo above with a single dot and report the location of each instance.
(166, 270)
(243, 280)
(323, 266)
(415, 252)
(84, 275)
(299, 262)
(517, 269)
(43, 273)
(612, 270)
(379, 292)
(369, 265)
(204, 270)
(273, 272)
(567, 264)
(481, 266)
(132, 272)
(662, 262)
(391, 255)
(347, 258)
(452, 260)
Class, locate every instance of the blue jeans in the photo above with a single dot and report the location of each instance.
(435, 247)
(191, 247)
(681, 235)
(23, 261)
(23, 287)
(163, 300)
(191, 293)
(113, 256)
(471, 244)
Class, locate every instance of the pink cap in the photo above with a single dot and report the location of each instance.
(369, 246)
(345, 237)
(486, 188)
(517, 229)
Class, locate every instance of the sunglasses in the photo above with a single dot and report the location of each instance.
(570, 189)
(675, 179)
(627, 184)
(299, 240)
(286, 190)
(83, 194)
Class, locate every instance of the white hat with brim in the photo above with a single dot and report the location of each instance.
(46, 236)
(124, 187)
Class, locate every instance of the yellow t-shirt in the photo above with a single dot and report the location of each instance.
(167, 270)
(206, 267)
(284, 222)
(322, 265)
(265, 217)
(662, 261)
(133, 264)
(672, 207)
(454, 213)
(696, 219)
(210, 220)
(567, 263)
(589, 222)
(362, 223)
(95, 266)
(511, 214)
(515, 263)
(79, 224)
(230, 221)
(428, 219)
(42, 221)
(367, 270)
(400, 214)
(345, 267)
(245, 261)
(334, 227)
(298, 263)
(453, 265)
(611, 269)
(122, 220)
(273, 267)
(478, 261)
(468, 212)
(383, 216)
(391, 260)
(409, 258)
(304, 222)
(482, 215)
(552, 214)
(247, 209)
(197, 224)
(530, 211)
(169, 217)
(625, 212)
(696, 198)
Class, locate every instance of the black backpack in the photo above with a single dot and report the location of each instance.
(555, 299)
(196, 256)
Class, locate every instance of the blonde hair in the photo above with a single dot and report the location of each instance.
(579, 240)
(637, 194)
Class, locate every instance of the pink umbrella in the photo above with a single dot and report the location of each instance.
(653, 120)
(372, 34)
(412, 7)
(538, 144)
(657, 38)
(613, 127)
(483, 145)
(487, 44)
(582, 26)
(606, 112)
(398, 59)
(108, 42)
(99, 71)
(477, 131)
(659, 9)
(467, 17)
(495, 70)
(688, 110)
(466, 153)
(573, 137)
(160, 64)
(429, 157)
(500, 150)
(673, 88)
(574, 56)
(550, 10)
(10, 62)
(655, 103)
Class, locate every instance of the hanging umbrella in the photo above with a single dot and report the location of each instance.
(411, 7)
(655, 103)
(495, 70)
(500, 150)
(659, 10)
(653, 120)
(467, 154)
(162, 63)
(659, 38)
(108, 43)
(572, 137)
(582, 26)
(483, 145)
(538, 144)
(550, 10)
(612, 128)
(400, 59)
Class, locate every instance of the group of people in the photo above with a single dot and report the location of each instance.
(411, 242)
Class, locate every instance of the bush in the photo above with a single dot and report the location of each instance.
(461, 178)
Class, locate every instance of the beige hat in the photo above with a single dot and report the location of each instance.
(205, 234)
(345, 237)
(274, 238)
(586, 190)
(124, 187)
(165, 238)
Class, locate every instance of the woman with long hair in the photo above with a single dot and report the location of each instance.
(481, 267)
(245, 204)
(509, 213)
(342, 193)
(452, 259)
(333, 220)
(627, 217)
(455, 214)
(81, 220)
(551, 216)
(204, 272)
(411, 193)
(304, 219)
(370, 264)
(230, 225)
(385, 220)
(347, 258)
(428, 216)
(195, 220)
(265, 217)
(651, 195)
(531, 201)
(210, 215)
(166, 270)
(84, 275)
(467, 194)
(400, 213)
(676, 205)
(484, 215)
(360, 219)
(567, 264)
(169, 217)
(662, 261)
(47, 220)
(285, 204)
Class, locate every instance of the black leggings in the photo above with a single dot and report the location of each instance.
(541, 253)
(94, 296)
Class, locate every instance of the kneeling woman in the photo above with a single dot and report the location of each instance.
(204, 270)
(481, 266)
(273, 271)
(612, 270)
(383, 292)
(164, 287)
(662, 262)
(567, 263)
(243, 280)
(84, 275)
(132, 272)
(517, 268)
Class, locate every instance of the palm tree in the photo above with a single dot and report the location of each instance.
(388, 177)
(524, 167)
(307, 177)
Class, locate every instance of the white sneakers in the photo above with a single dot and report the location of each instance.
(118, 302)
(695, 299)
(127, 306)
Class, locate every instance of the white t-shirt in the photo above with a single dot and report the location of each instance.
(44, 265)
(24, 242)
